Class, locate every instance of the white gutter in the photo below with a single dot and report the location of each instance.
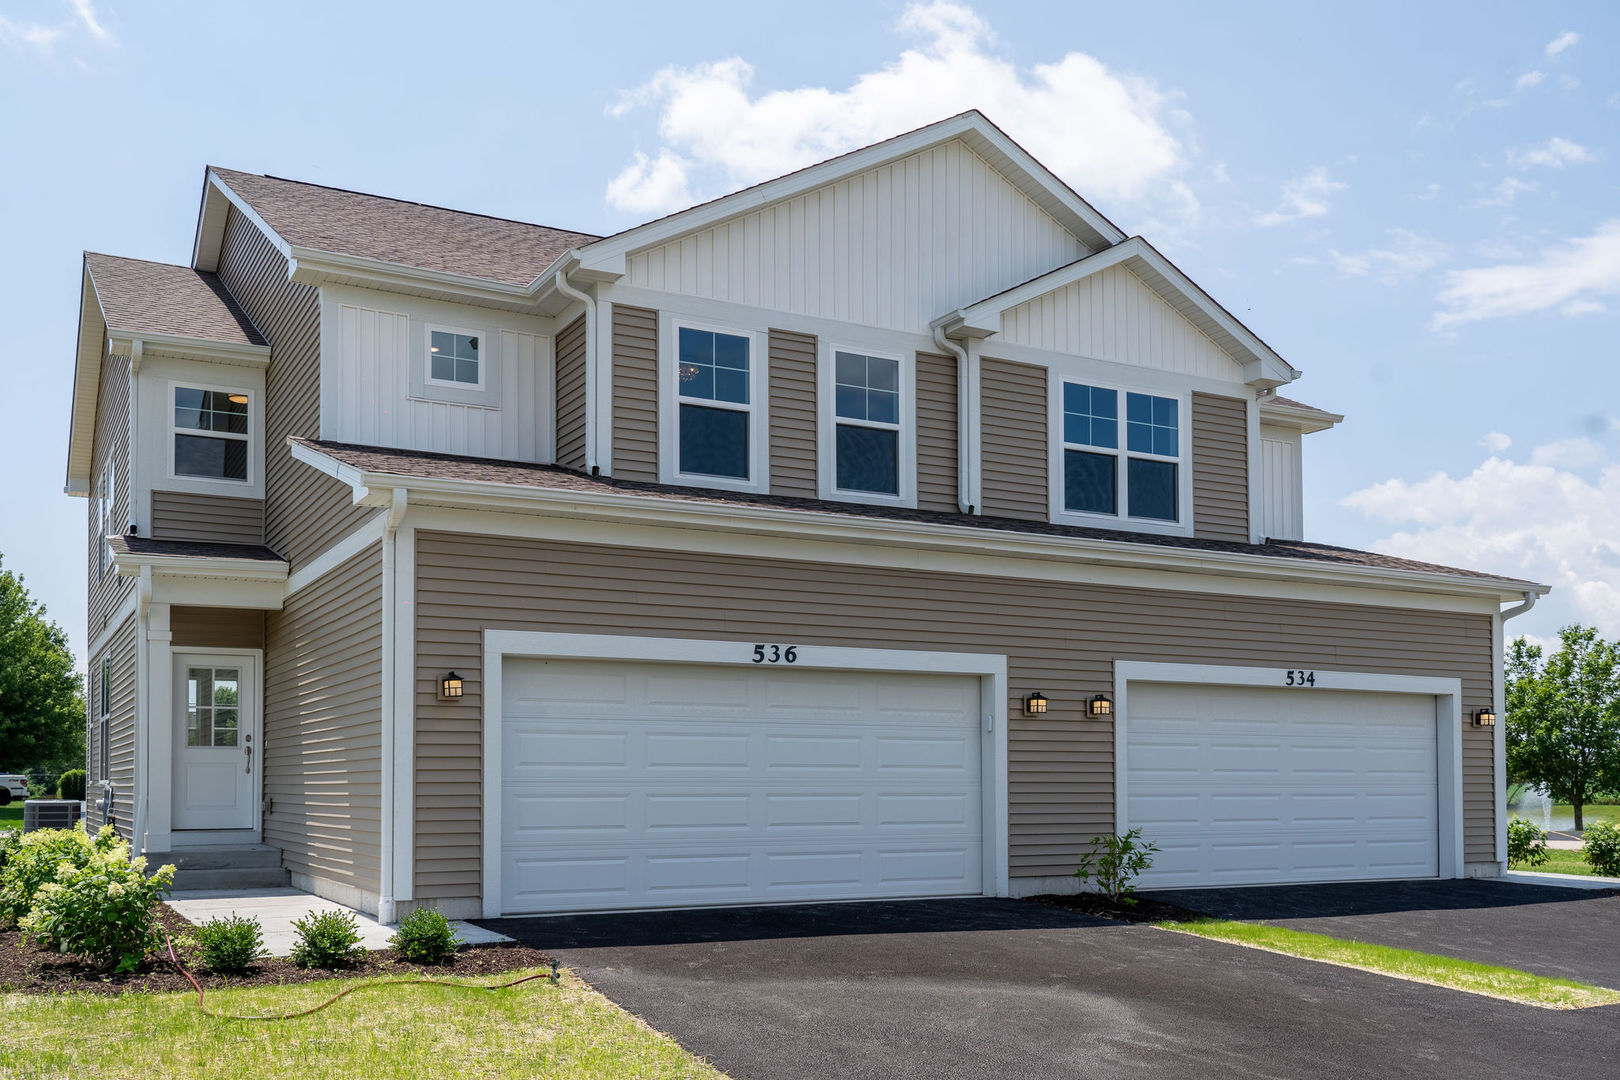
(388, 749)
(967, 433)
(1519, 609)
(592, 398)
(1499, 736)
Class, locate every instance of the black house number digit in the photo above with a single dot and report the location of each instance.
(776, 654)
(1300, 678)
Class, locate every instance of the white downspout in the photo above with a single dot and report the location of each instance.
(143, 710)
(388, 748)
(967, 497)
(1520, 608)
(136, 354)
(591, 395)
(1499, 737)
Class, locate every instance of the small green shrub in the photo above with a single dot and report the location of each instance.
(1602, 848)
(34, 858)
(327, 939)
(70, 785)
(228, 944)
(425, 937)
(103, 910)
(1116, 861)
(1527, 843)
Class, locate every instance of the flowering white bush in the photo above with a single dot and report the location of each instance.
(103, 909)
(35, 858)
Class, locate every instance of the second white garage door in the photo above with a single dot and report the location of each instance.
(632, 785)
(1245, 786)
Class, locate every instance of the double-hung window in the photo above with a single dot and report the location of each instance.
(106, 499)
(866, 423)
(1120, 454)
(211, 434)
(714, 398)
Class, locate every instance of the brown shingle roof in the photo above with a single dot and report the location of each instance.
(143, 545)
(160, 298)
(413, 463)
(1278, 399)
(411, 234)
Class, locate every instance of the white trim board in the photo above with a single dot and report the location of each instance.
(1447, 694)
(991, 668)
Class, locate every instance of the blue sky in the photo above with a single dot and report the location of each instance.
(1416, 204)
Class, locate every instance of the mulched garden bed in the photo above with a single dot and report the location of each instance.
(1143, 911)
(29, 969)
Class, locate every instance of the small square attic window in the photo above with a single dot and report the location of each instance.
(453, 358)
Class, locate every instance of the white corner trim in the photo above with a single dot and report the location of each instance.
(1447, 694)
(368, 533)
(990, 667)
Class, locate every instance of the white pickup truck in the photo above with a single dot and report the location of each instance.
(12, 786)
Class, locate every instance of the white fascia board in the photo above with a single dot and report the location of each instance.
(608, 254)
(1305, 420)
(222, 352)
(217, 183)
(212, 214)
(87, 358)
(130, 565)
(721, 516)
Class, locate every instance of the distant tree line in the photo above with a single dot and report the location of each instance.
(1563, 717)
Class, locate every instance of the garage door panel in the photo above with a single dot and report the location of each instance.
(811, 788)
(1252, 786)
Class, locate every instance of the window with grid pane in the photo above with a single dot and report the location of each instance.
(1134, 472)
(866, 405)
(213, 706)
(211, 433)
(715, 403)
(454, 358)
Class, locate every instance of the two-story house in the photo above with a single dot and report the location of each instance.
(889, 529)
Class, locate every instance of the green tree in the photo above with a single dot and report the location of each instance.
(1563, 717)
(41, 705)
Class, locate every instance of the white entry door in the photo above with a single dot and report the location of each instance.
(1252, 786)
(632, 785)
(216, 743)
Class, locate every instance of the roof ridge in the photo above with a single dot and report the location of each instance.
(406, 202)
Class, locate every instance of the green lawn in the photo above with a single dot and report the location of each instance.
(1497, 982)
(11, 816)
(1561, 861)
(537, 1029)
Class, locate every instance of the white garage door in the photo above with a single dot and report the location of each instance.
(1243, 786)
(630, 785)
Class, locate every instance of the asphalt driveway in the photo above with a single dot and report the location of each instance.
(1000, 988)
(1568, 933)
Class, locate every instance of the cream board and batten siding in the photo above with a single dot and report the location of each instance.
(374, 354)
(323, 729)
(304, 512)
(108, 591)
(635, 393)
(1282, 486)
(1220, 467)
(1059, 637)
(214, 519)
(893, 247)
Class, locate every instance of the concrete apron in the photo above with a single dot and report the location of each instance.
(277, 908)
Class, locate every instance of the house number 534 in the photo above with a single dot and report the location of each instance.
(776, 654)
(1300, 678)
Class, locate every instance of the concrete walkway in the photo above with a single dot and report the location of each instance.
(277, 908)
(1567, 881)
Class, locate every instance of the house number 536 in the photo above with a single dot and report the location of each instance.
(776, 654)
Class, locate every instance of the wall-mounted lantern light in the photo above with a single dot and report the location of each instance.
(1035, 704)
(450, 687)
(1484, 717)
(1100, 706)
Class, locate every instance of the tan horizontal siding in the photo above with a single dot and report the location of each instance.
(220, 628)
(937, 482)
(635, 393)
(322, 725)
(571, 373)
(214, 519)
(108, 590)
(305, 512)
(793, 413)
(1013, 457)
(121, 724)
(1060, 638)
(1220, 467)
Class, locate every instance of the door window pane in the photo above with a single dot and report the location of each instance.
(714, 442)
(868, 459)
(1152, 486)
(213, 706)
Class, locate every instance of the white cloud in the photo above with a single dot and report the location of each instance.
(1496, 442)
(718, 134)
(1407, 256)
(1528, 80)
(1571, 277)
(43, 37)
(1302, 197)
(1504, 194)
(1430, 192)
(1555, 153)
(1536, 520)
(1562, 42)
(1576, 452)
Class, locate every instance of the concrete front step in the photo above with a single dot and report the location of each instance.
(224, 866)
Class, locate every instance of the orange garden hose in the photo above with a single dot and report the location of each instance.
(202, 1004)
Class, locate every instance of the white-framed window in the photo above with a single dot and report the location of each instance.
(454, 357)
(713, 415)
(106, 500)
(1120, 457)
(867, 443)
(211, 433)
(104, 694)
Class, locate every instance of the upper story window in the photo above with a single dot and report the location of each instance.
(106, 499)
(866, 405)
(1138, 477)
(453, 358)
(715, 404)
(211, 433)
